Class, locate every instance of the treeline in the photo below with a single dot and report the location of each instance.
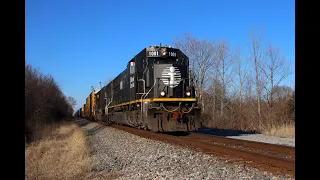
(45, 104)
(238, 90)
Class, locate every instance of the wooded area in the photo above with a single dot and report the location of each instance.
(237, 90)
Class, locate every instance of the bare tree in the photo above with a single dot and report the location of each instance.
(71, 101)
(223, 69)
(255, 52)
(215, 83)
(200, 53)
(241, 69)
(215, 91)
(275, 70)
(282, 92)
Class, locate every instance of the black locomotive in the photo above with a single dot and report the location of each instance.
(154, 92)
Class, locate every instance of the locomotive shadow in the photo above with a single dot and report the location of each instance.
(176, 133)
(223, 132)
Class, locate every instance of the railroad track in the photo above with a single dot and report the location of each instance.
(280, 151)
(268, 157)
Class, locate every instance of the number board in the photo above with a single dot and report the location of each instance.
(156, 53)
(172, 54)
(153, 54)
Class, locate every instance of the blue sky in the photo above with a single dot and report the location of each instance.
(83, 42)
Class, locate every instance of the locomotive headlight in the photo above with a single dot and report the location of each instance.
(188, 93)
(164, 53)
(162, 93)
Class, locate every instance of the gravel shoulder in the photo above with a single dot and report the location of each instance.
(127, 156)
(266, 139)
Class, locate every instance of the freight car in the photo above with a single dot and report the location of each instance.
(89, 106)
(80, 112)
(155, 92)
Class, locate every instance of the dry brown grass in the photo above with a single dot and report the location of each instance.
(63, 154)
(285, 130)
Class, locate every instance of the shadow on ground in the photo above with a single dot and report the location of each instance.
(223, 132)
(83, 122)
(95, 130)
(204, 130)
(178, 133)
(212, 131)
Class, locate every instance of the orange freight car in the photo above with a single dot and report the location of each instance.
(82, 111)
(89, 109)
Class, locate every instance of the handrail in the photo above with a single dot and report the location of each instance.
(170, 111)
(155, 81)
(145, 95)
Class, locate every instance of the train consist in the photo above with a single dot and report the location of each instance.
(154, 92)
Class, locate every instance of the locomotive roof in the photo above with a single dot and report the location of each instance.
(151, 48)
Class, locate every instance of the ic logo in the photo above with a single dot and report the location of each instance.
(173, 73)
